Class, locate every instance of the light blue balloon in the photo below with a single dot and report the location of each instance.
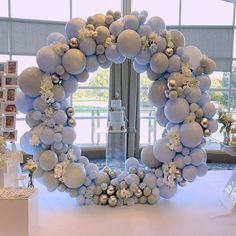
(176, 110)
(202, 169)
(57, 137)
(131, 162)
(150, 180)
(58, 146)
(73, 26)
(162, 152)
(50, 181)
(157, 24)
(82, 77)
(152, 75)
(112, 53)
(48, 160)
(64, 104)
(47, 135)
(205, 97)
(80, 200)
(77, 151)
(24, 103)
(102, 34)
(144, 30)
(92, 170)
(30, 121)
(129, 43)
(25, 145)
(138, 67)
(60, 117)
(156, 93)
(120, 60)
(59, 92)
(83, 160)
(55, 37)
(74, 61)
(106, 64)
(70, 86)
(177, 38)
(37, 115)
(131, 22)
(205, 82)
(132, 179)
(143, 57)
(100, 49)
(159, 63)
(197, 156)
(191, 134)
(48, 59)
(209, 110)
(167, 192)
(116, 28)
(91, 63)
(68, 135)
(39, 104)
(189, 173)
(160, 117)
(102, 178)
(101, 59)
(30, 81)
(179, 161)
(75, 175)
(174, 64)
(161, 44)
(169, 125)
(212, 125)
(87, 46)
(148, 158)
(194, 95)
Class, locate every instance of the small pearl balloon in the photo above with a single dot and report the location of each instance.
(118, 194)
(133, 187)
(70, 111)
(204, 122)
(143, 200)
(169, 52)
(123, 185)
(96, 199)
(133, 170)
(138, 193)
(112, 201)
(147, 191)
(103, 199)
(171, 84)
(110, 190)
(182, 183)
(55, 79)
(74, 42)
(98, 190)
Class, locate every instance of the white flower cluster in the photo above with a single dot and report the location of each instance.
(60, 47)
(71, 156)
(46, 89)
(59, 170)
(169, 171)
(173, 137)
(30, 165)
(34, 135)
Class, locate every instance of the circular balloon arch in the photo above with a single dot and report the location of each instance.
(178, 91)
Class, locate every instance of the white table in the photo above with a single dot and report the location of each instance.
(195, 211)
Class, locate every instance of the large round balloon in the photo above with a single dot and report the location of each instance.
(48, 59)
(157, 24)
(73, 26)
(30, 81)
(194, 55)
(156, 93)
(176, 110)
(159, 63)
(48, 160)
(129, 43)
(191, 134)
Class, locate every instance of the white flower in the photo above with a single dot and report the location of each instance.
(30, 165)
(35, 134)
(173, 137)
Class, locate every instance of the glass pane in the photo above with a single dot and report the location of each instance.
(220, 79)
(84, 9)
(208, 12)
(4, 8)
(43, 9)
(234, 75)
(234, 52)
(233, 102)
(24, 62)
(220, 99)
(168, 10)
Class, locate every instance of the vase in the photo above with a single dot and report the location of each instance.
(228, 128)
(30, 181)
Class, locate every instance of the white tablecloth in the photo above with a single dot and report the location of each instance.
(195, 210)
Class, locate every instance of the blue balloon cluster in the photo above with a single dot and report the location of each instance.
(178, 91)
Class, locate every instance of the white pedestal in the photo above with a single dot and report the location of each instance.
(18, 216)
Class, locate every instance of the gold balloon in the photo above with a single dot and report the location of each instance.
(74, 42)
(71, 122)
(182, 183)
(70, 111)
(138, 193)
(204, 122)
(55, 79)
(106, 169)
(207, 133)
(177, 173)
(169, 52)
(112, 174)
(171, 84)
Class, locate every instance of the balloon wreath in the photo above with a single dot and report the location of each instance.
(178, 91)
